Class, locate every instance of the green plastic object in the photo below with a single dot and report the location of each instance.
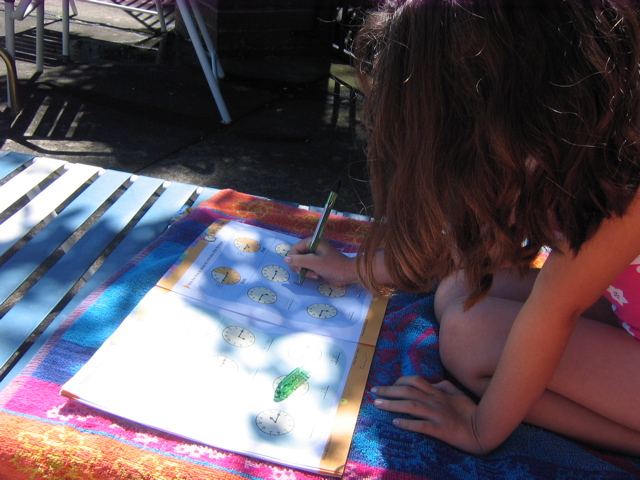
(290, 383)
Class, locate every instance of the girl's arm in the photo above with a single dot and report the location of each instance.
(566, 286)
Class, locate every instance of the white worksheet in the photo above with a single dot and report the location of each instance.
(202, 354)
(241, 268)
(210, 376)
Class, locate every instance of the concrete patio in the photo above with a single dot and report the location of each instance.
(134, 100)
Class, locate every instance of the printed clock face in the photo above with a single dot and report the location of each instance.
(283, 249)
(275, 273)
(275, 422)
(226, 275)
(329, 290)
(223, 365)
(322, 310)
(262, 295)
(247, 245)
(238, 336)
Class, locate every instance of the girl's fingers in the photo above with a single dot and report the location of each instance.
(301, 247)
(417, 409)
(406, 387)
(416, 382)
(447, 387)
(416, 396)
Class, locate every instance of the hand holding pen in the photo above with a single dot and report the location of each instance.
(326, 262)
(317, 235)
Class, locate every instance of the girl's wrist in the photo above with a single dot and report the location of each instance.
(351, 271)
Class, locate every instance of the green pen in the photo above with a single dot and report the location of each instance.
(317, 235)
(290, 383)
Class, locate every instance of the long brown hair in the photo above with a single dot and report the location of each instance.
(494, 125)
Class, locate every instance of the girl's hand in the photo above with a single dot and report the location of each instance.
(327, 262)
(440, 410)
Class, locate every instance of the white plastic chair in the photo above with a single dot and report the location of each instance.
(27, 7)
(198, 33)
(189, 10)
(19, 13)
(70, 4)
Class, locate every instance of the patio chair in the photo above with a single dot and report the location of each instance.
(189, 10)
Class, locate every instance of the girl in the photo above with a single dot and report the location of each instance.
(498, 127)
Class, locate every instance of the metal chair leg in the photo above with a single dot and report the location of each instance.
(210, 66)
(12, 80)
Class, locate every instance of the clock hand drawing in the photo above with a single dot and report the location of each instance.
(238, 336)
(275, 273)
(283, 249)
(275, 422)
(226, 275)
(247, 245)
(329, 290)
(262, 295)
(223, 365)
(322, 310)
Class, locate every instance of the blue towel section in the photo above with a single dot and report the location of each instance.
(93, 327)
(408, 345)
(62, 362)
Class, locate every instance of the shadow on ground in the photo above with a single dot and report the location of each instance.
(143, 105)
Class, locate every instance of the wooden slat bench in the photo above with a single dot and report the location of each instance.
(60, 222)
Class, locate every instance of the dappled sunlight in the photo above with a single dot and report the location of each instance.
(61, 223)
